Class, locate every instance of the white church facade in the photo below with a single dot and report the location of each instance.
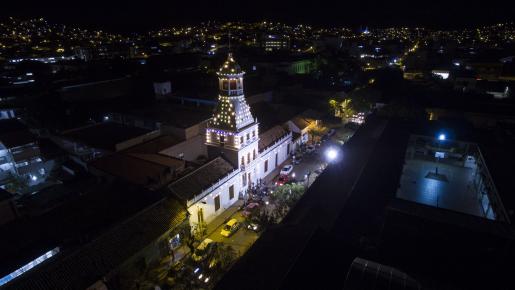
(240, 155)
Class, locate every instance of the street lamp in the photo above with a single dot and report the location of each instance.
(441, 138)
(331, 154)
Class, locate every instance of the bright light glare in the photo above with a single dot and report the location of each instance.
(442, 137)
(331, 154)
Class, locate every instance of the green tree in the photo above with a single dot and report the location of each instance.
(316, 133)
(262, 217)
(346, 109)
(334, 107)
(285, 197)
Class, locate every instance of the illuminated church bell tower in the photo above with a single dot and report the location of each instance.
(232, 131)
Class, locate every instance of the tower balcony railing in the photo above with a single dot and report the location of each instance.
(234, 92)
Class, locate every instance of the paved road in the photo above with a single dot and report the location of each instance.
(240, 241)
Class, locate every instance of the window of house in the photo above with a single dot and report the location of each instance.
(288, 149)
(266, 166)
(244, 179)
(231, 192)
(254, 154)
(242, 160)
(241, 140)
(222, 139)
(248, 136)
(217, 202)
(253, 134)
(248, 158)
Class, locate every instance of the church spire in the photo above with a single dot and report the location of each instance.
(232, 111)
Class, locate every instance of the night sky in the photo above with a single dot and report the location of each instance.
(147, 14)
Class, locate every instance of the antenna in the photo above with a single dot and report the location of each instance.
(229, 40)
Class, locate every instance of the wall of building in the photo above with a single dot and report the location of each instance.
(207, 203)
(281, 149)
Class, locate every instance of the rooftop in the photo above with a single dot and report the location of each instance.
(105, 135)
(448, 174)
(230, 67)
(199, 180)
(13, 133)
(81, 268)
(270, 136)
(71, 225)
(173, 114)
(155, 145)
(453, 191)
(145, 169)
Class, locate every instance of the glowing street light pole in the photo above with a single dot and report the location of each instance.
(331, 154)
(441, 137)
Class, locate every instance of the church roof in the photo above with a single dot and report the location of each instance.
(201, 179)
(271, 136)
(230, 67)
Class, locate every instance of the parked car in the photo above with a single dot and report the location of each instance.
(203, 274)
(287, 169)
(203, 250)
(283, 179)
(297, 159)
(310, 149)
(230, 228)
(253, 226)
(250, 208)
(331, 132)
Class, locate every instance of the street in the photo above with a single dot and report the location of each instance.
(240, 241)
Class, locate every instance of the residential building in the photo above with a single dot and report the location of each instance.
(19, 152)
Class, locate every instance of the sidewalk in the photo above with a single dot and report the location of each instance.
(223, 217)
